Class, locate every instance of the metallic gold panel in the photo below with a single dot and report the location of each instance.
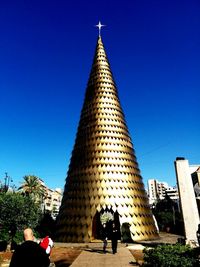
(103, 172)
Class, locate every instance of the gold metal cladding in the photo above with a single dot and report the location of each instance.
(103, 173)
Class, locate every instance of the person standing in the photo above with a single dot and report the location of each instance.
(104, 237)
(198, 234)
(114, 238)
(29, 253)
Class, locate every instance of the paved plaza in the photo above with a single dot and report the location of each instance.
(95, 257)
(92, 254)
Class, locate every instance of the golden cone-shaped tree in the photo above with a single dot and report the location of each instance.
(103, 174)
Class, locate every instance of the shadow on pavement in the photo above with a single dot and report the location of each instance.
(62, 263)
(100, 251)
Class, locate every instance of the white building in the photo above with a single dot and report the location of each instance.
(52, 199)
(158, 190)
(172, 192)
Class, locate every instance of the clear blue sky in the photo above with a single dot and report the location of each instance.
(46, 52)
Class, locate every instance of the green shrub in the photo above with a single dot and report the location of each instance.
(19, 237)
(170, 256)
(16, 213)
(4, 234)
(125, 233)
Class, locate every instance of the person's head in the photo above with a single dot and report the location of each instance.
(28, 234)
(113, 225)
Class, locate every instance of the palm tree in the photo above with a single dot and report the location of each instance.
(33, 187)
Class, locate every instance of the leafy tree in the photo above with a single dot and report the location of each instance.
(106, 217)
(33, 188)
(16, 213)
(46, 226)
(167, 214)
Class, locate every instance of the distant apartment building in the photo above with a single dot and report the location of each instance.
(158, 190)
(172, 192)
(52, 199)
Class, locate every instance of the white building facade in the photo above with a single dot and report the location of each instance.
(158, 190)
(52, 199)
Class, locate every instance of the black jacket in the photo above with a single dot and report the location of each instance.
(29, 254)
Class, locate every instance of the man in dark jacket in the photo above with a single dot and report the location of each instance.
(104, 236)
(29, 253)
(114, 238)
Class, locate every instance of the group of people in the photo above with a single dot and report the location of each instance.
(31, 253)
(113, 234)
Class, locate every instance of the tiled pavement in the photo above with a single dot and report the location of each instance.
(93, 257)
(92, 254)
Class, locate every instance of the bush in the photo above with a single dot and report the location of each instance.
(125, 233)
(19, 237)
(170, 256)
(16, 213)
(4, 234)
(46, 226)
